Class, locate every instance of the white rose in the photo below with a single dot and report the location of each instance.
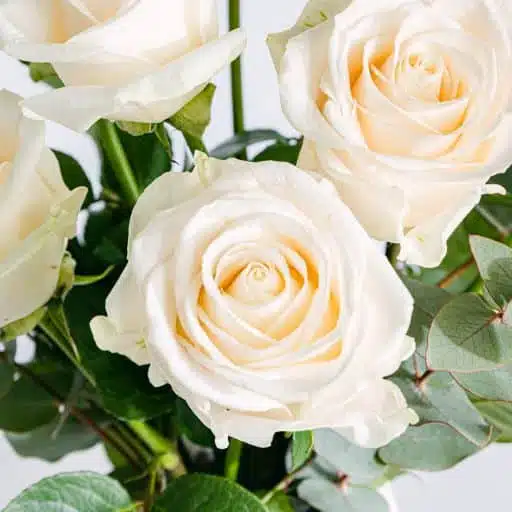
(124, 60)
(254, 292)
(404, 104)
(37, 214)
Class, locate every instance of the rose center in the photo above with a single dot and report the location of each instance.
(257, 282)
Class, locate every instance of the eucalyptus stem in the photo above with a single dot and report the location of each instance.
(165, 450)
(117, 157)
(232, 465)
(236, 77)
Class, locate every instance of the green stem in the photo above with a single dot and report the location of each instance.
(232, 465)
(55, 333)
(166, 451)
(117, 157)
(236, 77)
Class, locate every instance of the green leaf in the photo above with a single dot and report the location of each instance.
(430, 447)
(147, 157)
(11, 331)
(44, 72)
(280, 502)
(136, 129)
(428, 301)
(206, 493)
(327, 497)
(27, 406)
(163, 136)
(88, 280)
(468, 336)
(193, 119)
(53, 441)
(281, 152)
(242, 141)
(123, 387)
(492, 385)
(360, 464)
(302, 448)
(74, 176)
(191, 426)
(72, 492)
(494, 262)
(6, 378)
(439, 399)
(499, 414)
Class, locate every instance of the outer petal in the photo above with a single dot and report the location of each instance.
(29, 275)
(168, 191)
(426, 243)
(152, 99)
(318, 11)
(124, 331)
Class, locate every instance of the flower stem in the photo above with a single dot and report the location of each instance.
(166, 451)
(236, 77)
(78, 414)
(117, 157)
(232, 465)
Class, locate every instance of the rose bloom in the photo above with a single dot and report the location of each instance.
(124, 60)
(404, 105)
(252, 290)
(38, 214)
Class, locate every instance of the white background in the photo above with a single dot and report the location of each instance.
(478, 484)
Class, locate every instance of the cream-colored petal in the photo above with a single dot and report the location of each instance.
(9, 124)
(152, 99)
(426, 243)
(168, 191)
(29, 274)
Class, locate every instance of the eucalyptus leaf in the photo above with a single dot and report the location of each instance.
(53, 441)
(468, 335)
(360, 464)
(302, 448)
(327, 497)
(242, 141)
(498, 414)
(428, 301)
(193, 119)
(430, 447)
(439, 399)
(72, 492)
(206, 493)
(491, 385)
(494, 262)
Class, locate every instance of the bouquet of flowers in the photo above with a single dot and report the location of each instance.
(226, 321)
